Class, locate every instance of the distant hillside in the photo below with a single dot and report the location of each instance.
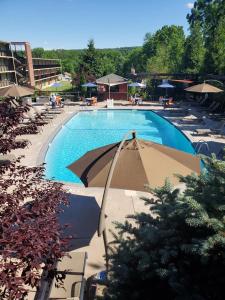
(113, 57)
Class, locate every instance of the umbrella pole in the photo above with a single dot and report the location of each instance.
(105, 240)
(109, 92)
(101, 224)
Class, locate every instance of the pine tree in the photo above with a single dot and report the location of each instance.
(177, 250)
(89, 60)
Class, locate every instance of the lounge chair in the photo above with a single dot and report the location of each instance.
(46, 110)
(214, 131)
(213, 107)
(192, 121)
(184, 111)
(73, 286)
(42, 100)
(29, 118)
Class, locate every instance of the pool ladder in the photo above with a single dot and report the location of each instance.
(199, 146)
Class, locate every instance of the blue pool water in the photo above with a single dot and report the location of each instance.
(93, 129)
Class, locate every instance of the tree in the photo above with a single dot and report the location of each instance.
(30, 234)
(177, 250)
(134, 59)
(210, 15)
(38, 52)
(164, 50)
(67, 66)
(218, 47)
(194, 50)
(159, 62)
(89, 60)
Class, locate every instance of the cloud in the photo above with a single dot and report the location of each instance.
(190, 5)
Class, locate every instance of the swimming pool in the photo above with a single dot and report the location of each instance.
(88, 130)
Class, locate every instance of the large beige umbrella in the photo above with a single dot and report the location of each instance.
(15, 90)
(131, 164)
(140, 163)
(203, 88)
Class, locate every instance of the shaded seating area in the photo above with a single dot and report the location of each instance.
(112, 86)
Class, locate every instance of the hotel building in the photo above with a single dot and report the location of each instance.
(17, 66)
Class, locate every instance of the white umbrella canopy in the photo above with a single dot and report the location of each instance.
(137, 84)
(165, 85)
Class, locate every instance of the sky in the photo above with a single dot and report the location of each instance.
(69, 24)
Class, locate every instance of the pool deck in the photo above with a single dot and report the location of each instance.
(124, 202)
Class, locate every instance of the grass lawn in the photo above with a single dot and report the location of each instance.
(65, 86)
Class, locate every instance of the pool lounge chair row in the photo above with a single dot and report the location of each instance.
(219, 130)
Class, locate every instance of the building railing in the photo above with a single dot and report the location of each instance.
(46, 78)
(5, 53)
(46, 72)
(46, 62)
(5, 68)
(38, 68)
(5, 82)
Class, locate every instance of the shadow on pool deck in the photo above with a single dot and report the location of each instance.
(82, 216)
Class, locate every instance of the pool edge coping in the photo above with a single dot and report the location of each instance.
(43, 151)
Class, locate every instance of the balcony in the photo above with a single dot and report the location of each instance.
(5, 69)
(5, 83)
(46, 72)
(5, 53)
(39, 63)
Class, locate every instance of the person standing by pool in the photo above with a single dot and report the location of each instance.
(53, 101)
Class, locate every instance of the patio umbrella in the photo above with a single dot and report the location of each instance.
(203, 88)
(131, 164)
(137, 165)
(56, 84)
(15, 90)
(166, 85)
(137, 84)
(89, 85)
